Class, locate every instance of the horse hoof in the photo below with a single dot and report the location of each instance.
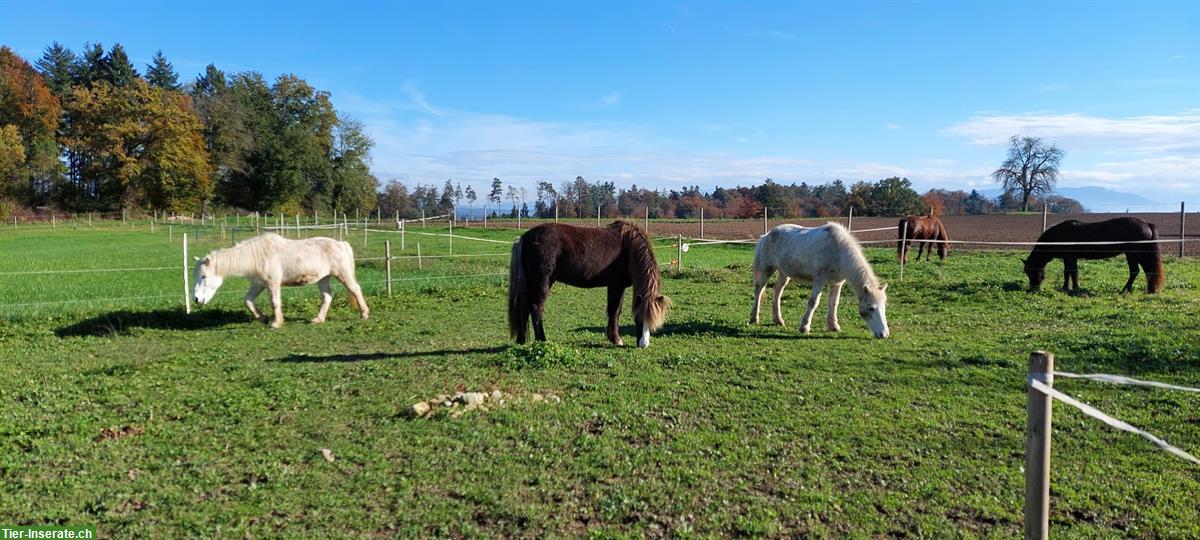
(276, 325)
(317, 321)
(805, 329)
(835, 329)
(618, 343)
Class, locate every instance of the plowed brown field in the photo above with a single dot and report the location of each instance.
(987, 228)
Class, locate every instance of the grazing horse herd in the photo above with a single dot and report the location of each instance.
(620, 256)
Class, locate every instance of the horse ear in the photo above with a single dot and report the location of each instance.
(1024, 260)
(197, 259)
(883, 287)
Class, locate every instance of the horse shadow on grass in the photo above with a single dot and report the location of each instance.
(724, 329)
(366, 357)
(125, 322)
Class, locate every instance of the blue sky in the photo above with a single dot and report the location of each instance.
(671, 94)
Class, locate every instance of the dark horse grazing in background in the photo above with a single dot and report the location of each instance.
(617, 256)
(921, 228)
(1122, 229)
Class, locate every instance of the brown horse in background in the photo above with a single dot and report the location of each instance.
(617, 256)
(921, 228)
(1122, 229)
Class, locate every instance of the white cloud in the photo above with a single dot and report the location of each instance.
(611, 98)
(890, 125)
(417, 99)
(1152, 133)
(781, 35)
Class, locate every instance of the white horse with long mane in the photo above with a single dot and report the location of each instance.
(271, 262)
(825, 255)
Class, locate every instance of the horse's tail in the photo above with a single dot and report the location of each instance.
(944, 245)
(1155, 278)
(760, 257)
(348, 273)
(518, 296)
(646, 278)
(903, 232)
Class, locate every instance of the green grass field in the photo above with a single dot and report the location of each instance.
(132, 416)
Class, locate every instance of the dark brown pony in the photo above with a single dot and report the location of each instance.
(617, 256)
(1122, 229)
(921, 228)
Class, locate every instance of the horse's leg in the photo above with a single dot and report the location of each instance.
(760, 283)
(1133, 273)
(616, 294)
(255, 289)
(1070, 273)
(326, 299)
(276, 303)
(928, 250)
(777, 300)
(813, 300)
(537, 302)
(835, 296)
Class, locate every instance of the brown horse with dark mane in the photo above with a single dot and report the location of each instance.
(922, 228)
(1117, 232)
(617, 256)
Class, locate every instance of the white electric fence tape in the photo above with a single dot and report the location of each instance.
(1119, 424)
(1118, 379)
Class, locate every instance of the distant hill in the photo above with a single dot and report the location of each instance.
(1096, 198)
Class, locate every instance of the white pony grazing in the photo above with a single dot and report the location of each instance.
(825, 254)
(271, 261)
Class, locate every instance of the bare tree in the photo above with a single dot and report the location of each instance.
(1031, 168)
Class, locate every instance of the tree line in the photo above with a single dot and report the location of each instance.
(88, 132)
(585, 199)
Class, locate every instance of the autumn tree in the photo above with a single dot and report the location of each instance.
(1031, 168)
(144, 144)
(29, 114)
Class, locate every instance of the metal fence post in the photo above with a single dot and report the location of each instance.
(187, 297)
(387, 246)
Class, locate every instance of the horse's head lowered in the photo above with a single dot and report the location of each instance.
(1036, 275)
(872, 307)
(207, 281)
(649, 316)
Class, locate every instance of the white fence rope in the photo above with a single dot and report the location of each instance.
(86, 270)
(982, 242)
(1118, 379)
(1119, 424)
(440, 235)
(856, 231)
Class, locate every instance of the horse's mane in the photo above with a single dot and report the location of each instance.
(851, 257)
(643, 268)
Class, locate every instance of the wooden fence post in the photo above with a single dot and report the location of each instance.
(420, 265)
(903, 248)
(764, 220)
(850, 220)
(701, 221)
(1181, 229)
(187, 297)
(679, 247)
(1037, 448)
(452, 237)
(387, 247)
(1045, 212)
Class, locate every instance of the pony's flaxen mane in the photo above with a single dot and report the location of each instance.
(851, 257)
(643, 269)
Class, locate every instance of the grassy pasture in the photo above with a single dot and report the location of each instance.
(215, 424)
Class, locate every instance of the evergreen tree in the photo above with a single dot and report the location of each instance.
(57, 66)
(161, 73)
(118, 70)
(89, 67)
